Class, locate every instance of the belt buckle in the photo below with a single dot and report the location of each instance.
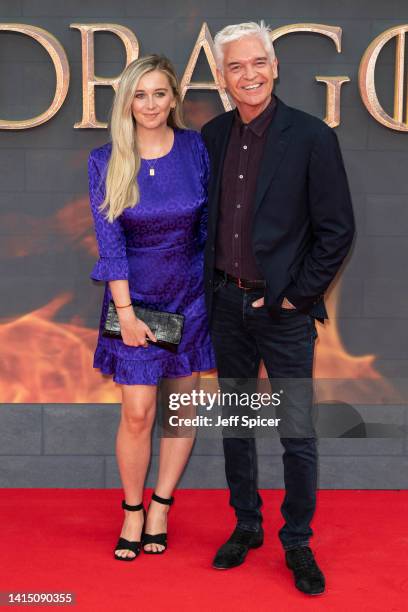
(241, 286)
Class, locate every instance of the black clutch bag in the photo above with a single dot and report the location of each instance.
(166, 326)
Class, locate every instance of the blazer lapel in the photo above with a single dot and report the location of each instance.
(275, 147)
(219, 152)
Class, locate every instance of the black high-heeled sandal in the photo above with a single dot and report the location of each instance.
(157, 538)
(123, 544)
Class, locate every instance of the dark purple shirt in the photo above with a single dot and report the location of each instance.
(234, 253)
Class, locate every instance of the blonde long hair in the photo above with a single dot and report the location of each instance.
(122, 190)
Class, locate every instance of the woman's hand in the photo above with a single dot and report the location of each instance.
(134, 331)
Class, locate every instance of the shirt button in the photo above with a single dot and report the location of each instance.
(241, 176)
(245, 147)
(238, 205)
(236, 264)
(236, 235)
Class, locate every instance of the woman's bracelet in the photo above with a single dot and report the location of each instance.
(127, 306)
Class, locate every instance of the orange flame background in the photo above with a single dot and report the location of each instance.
(46, 361)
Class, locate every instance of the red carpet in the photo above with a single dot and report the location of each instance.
(58, 540)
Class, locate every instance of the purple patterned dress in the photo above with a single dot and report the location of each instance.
(158, 247)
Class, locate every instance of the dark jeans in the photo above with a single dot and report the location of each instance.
(243, 335)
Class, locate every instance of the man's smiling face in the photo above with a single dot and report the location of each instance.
(248, 73)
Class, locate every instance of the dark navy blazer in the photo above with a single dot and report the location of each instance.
(303, 222)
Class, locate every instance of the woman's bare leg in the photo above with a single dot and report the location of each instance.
(174, 454)
(133, 449)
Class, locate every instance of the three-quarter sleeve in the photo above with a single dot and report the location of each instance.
(112, 263)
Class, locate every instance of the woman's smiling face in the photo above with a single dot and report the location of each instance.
(153, 100)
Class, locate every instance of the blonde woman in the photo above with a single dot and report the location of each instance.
(148, 195)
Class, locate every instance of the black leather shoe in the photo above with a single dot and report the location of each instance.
(308, 576)
(236, 548)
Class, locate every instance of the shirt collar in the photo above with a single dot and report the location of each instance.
(261, 122)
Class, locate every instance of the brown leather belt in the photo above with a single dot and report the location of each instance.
(243, 283)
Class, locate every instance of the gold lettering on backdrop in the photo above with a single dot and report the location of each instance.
(89, 79)
(333, 83)
(60, 61)
(333, 32)
(333, 89)
(366, 79)
(205, 42)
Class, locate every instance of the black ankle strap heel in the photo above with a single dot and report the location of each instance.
(162, 500)
(157, 538)
(126, 506)
(123, 544)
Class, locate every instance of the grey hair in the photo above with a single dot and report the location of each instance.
(235, 32)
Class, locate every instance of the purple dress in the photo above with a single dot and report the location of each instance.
(158, 247)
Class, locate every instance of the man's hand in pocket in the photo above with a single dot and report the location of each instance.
(285, 304)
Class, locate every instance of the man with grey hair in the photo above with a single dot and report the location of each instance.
(280, 223)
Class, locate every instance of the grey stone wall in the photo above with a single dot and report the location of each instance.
(43, 168)
(71, 446)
